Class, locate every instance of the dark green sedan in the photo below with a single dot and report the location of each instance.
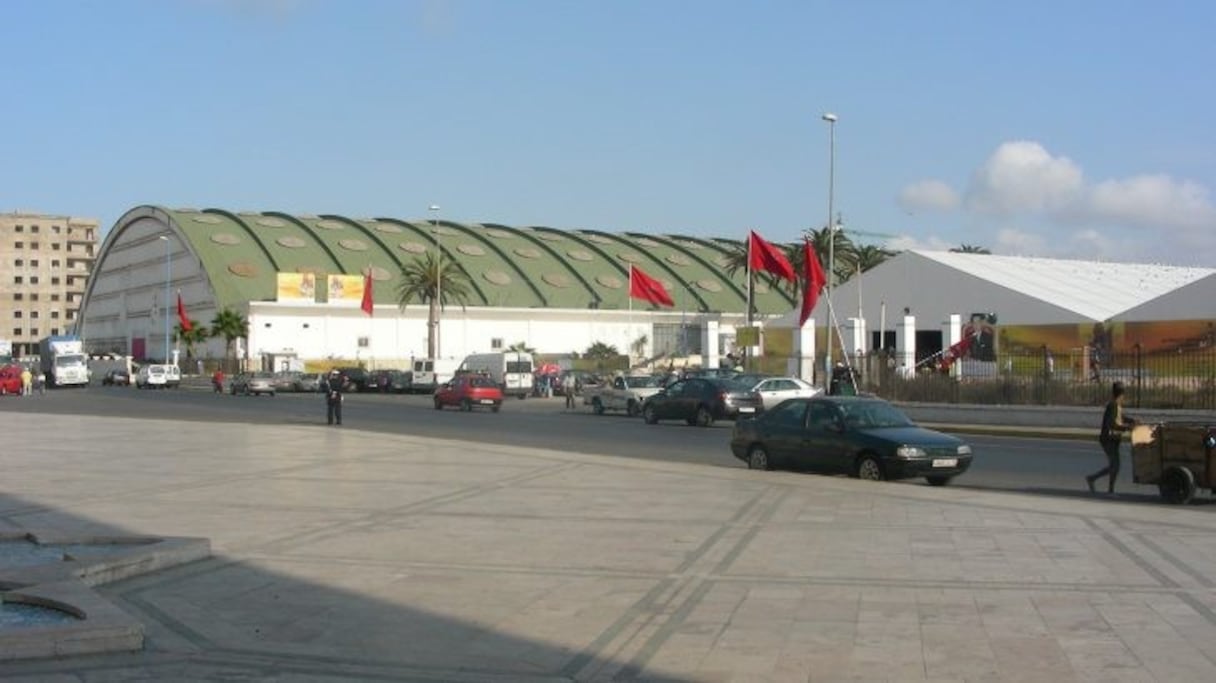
(860, 436)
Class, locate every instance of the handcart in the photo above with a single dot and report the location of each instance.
(1179, 457)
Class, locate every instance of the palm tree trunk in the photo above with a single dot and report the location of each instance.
(432, 320)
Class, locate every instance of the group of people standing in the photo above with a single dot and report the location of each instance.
(32, 381)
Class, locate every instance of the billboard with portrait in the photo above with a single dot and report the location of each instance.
(345, 289)
(296, 287)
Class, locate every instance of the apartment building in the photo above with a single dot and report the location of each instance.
(45, 262)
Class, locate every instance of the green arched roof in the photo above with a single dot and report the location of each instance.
(533, 267)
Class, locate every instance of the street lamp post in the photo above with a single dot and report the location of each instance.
(168, 278)
(434, 209)
(827, 363)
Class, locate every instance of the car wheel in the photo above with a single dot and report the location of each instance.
(631, 409)
(704, 418)
(938, 481)
(1177, 485)
(466, 405)
(597, 406)
(272, 394)
(438, 404)
(649, 415)
(870, 469)
(757, 459)
(496, 407)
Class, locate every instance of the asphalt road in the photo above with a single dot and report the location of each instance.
(1050, 467)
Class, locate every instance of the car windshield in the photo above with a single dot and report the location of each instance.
(521, 367)
(481, 382)
(873, 414)
(736, 385)
(156, 370)
(263, 375)
(642, 382)
(68, 360)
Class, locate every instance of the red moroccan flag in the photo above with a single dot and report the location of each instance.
(367, 293)
(182, 318)
(763, 256)
(813, 284)
(646, 288)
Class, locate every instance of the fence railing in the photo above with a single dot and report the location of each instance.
(1153, 380)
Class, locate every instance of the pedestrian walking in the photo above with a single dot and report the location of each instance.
(1114, 423)
(333, 397)
(27, 381)
(569, 388)
(217, 381)
(40, 382)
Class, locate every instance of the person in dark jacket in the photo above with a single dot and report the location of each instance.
(1114, 423)
(332, 386)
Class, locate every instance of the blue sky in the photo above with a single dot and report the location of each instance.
(1073, 129)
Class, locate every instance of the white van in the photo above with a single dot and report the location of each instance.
(510, 370)
(161, 376)
(429, 373)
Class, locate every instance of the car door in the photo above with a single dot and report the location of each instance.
(823, 441)
(783, 431)
(666, 405)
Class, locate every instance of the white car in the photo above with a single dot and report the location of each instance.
(152, 376)
(774, 390)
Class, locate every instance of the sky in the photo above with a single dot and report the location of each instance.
(1079, 129)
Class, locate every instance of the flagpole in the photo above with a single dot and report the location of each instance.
(747, 350)
(629, 327)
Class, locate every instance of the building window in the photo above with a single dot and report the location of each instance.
(19, 262)
(20, 228)
(54, 315)
(33, 263)
(55, 246)
(55, 263)
(18, 296)
(54, 297)
(55, 229)
(34, 228)
(54, 280)
(33, 279)
(33, 297)
(54, 330)
(16, 331)
(33, 331)
(19, 245)
(17, 279)
(33, 315)
(18, 314)
(496, 343)
(71, 315)
(33, 245)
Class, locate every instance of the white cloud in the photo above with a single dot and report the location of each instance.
(930, 243)
(1022, 176)
(1021, 243)
(928, 195)
(1150, 201)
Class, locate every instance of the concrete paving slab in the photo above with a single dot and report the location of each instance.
(340, 555)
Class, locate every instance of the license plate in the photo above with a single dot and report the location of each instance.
(486, 402)
(746, 409)
(945, 462)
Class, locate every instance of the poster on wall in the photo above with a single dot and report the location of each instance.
(981, 330)
(345, 289)
(296, 287)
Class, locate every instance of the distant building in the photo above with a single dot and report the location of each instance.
(45, 261)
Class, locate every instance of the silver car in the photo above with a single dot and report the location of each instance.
(253, 384)
(774, 390)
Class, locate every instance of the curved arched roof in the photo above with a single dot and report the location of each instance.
(532, 267)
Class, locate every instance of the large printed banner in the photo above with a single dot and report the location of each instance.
(296, 287)
(345, 289)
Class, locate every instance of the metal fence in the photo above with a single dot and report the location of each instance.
(1184, 380)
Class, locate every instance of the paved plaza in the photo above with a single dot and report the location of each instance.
(341, 555)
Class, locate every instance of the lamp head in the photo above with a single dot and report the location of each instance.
(829, 117)
(433, 207)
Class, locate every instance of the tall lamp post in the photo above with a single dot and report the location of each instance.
(168, 278)
(434, 209)
(827, 363)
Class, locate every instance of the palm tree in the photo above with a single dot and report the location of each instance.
(521, 347)
(841, 250)
(970, 249)
(230, 325)
(197, 334)
(601, 351)
(421, 277)
(871, 255)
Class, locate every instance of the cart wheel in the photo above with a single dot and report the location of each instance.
(1177, 485)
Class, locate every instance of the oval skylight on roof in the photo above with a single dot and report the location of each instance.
(291, 242)
(709, 285)
(598, 239)
(609, 281)
(225, 238)
(629, 257)
(353, 245)
(647, 242)
(550, 237)
(388, 228)
(441, 230)
(206, 218)
(556, 280)
(412, 247)
(580, 255)
(497, 277)
(527, 252)
(330, 225)
(243, 269)
(270, 222)
(471, 250)
(677, 259)
(380, 274)
(500, 234)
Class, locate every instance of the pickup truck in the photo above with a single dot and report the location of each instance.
(624, 392)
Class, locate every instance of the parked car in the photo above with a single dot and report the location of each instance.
(157, 376)
(627, 393)
(863, 437)
(701, 401)
(310, 382)
(253, 384)
(285, 381)
(116, 378)
(10, 379)
(356, 379)
(467, 391)
(774, 390)
(390, 381)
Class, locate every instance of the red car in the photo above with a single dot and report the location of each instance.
(467, 391)
(10, 379)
